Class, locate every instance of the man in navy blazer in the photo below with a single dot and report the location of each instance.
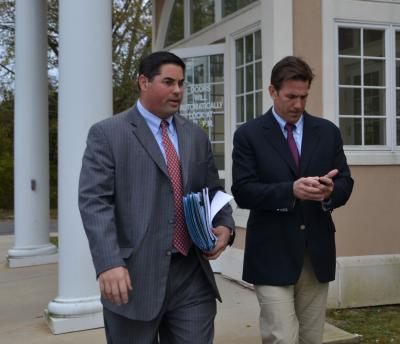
(153, 290)
(290, 170)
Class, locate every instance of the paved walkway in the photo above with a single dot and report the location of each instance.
(25, 292)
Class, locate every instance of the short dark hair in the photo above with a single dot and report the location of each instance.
(151, 64)
(290, 68)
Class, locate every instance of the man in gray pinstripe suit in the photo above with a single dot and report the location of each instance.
(151, 293)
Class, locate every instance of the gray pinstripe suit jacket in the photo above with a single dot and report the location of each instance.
(127, 207)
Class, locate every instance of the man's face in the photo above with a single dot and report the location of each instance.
(290, 101)
(162, 96)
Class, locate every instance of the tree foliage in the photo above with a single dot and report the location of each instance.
(131, 40)
(6, 151)
(7, 56)
(131, 34)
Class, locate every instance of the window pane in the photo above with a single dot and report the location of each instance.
(230, 6)
(362, 109)
(239, 80)
(204, 100)
(217, 68)
(175, 26)
(398, 44)
(349, 41)
(217, 96)
(257, 45)
(249, 106)
(374, 43)
(374, 102)
(249, 48)
(202, 14)
(351, 130)
(188, 98)
(239, 51)
(398, 73)
(259, 109)
(200, 70)
(189, 71)
(398, 102)
(218, 150)
(258, 76)
(240, 109)
(374, 73)
(217, 131)
(249, 78)
(398, 114)
(375, 131)
(349, 102)
(398, 132)
(349, 71)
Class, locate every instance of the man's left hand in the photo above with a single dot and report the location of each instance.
(223, 235)
(326, 183)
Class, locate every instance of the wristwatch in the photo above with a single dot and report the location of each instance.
(232, 236)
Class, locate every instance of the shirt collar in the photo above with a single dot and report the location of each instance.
(282, 122)
(154, 121)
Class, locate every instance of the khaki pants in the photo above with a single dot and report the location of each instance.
(296, 313)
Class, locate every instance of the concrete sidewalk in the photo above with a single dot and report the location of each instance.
(25, 292)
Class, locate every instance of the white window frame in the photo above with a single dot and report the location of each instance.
(361, 12)
(240, 35)
(390, 101)
(159, 38)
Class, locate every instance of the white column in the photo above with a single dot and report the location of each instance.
(31, 138)
(277, 37)
(85, 97)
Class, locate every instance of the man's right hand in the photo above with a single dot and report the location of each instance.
(308, 188)
(314, 188)
(115, 284)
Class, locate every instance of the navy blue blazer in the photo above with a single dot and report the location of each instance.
(280, 227)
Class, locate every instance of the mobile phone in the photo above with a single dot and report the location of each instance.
(323, 182)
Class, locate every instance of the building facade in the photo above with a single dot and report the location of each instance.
(353, 47)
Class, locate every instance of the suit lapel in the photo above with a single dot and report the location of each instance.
(274, 135)
(146, 138)
(310, 140)
(185, 146)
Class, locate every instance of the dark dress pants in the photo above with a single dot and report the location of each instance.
(186, 317)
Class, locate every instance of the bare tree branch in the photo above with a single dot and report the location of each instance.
(7, 69)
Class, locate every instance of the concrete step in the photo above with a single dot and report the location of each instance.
(334, 335)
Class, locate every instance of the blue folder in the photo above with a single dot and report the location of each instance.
(196, 208)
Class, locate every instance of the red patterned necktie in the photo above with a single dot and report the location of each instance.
(181, 239)
(292, 145)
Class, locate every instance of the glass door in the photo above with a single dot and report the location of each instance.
(203, 101)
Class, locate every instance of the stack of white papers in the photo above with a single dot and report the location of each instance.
(199, 214)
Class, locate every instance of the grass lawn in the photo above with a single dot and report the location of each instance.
(54, 240)
(375, 324)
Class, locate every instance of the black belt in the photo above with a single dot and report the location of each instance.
(175, 256)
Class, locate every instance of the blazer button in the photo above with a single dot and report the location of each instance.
(168, 253)
(171, 221)
(302, 227)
